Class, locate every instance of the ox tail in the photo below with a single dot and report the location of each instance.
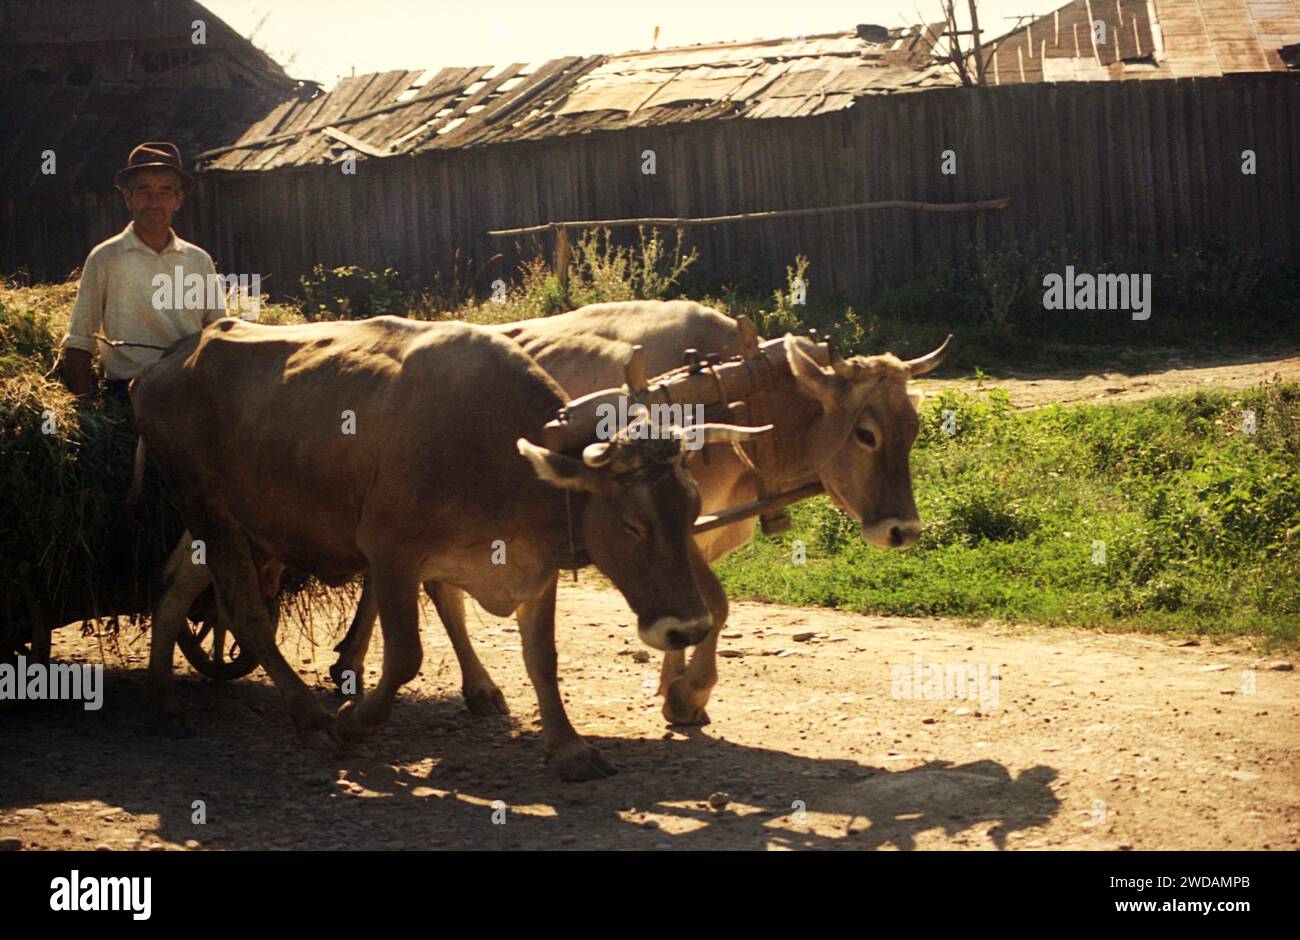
(137, 481)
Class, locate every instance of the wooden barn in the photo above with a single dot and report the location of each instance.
(88, 80)
(445, 155)
(1129, 145)
(1083, 141)
(128, 42)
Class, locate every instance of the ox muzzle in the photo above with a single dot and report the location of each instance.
(892, 533)
(674, 633)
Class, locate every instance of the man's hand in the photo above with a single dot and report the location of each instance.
(78, 374)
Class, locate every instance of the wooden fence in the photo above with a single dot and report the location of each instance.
(1121, 168)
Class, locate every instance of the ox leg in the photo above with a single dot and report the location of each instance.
(235, 577)
(571, 756)
(482, 697)
(397, 592)
(689, 692)
(182, 583)
(674, 665)
(352, 648)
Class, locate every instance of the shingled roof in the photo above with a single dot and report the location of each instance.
(388, 113)
(1147, 39)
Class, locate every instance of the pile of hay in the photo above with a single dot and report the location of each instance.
(65, 471)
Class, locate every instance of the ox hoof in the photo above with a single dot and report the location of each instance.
(578, 760)
(348, 724)
(486, 701)
(685, 706)
(316, 730)
(354, 680)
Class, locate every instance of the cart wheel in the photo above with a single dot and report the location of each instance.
(214, 651)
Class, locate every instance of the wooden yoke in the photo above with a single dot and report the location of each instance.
(707, 381)
(773, 519)
(704, 381)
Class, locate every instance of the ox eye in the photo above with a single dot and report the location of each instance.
(866, 437)
(634, 530)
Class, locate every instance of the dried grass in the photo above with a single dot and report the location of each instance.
(65, 469)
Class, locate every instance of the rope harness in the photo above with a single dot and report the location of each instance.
(116, 343)
(576, 558)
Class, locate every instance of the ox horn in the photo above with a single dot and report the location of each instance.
(930, 361)
(596, 455)
(714, 433)
(842, 368)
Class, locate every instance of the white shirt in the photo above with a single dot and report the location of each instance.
(130, 292)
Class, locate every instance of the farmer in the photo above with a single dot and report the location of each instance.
(127, 305)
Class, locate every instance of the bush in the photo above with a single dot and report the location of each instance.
(351, 293)
(1217, 297)
(603, 271)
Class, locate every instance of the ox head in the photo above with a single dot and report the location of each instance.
(636, 524)
(862, 435)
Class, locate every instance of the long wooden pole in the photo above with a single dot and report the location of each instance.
(749, 510)
(979, 54)
(981, 206)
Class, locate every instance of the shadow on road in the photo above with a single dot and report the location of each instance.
(431, 778)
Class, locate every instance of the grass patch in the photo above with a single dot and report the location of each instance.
(1157, 516)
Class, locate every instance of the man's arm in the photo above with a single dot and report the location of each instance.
(86, 320)
(79, 373)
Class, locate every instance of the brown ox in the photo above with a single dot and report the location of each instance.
(848, 423)
(402, 449)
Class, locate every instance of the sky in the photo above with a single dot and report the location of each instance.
(326, 40)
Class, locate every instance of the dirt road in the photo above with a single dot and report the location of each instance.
(1085, 741)
(1033, 391)
(840, 738)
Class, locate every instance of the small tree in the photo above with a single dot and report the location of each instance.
(967, 59)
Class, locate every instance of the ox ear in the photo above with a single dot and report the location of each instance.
(557, 469)
(821, 384)
(916, 396)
